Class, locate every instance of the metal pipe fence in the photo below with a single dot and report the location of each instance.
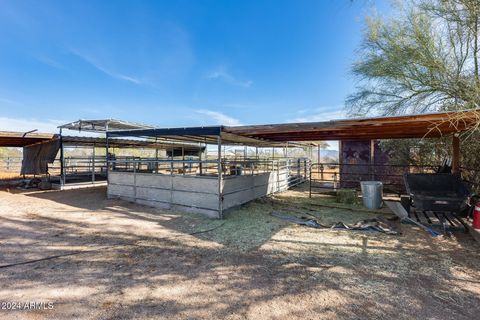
(297, 169)
(10, 164)
(79, 165)
(332, 176)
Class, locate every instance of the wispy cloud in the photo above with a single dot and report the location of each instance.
(9, 101)
(50, 62)
(27, 124)
(319, 114)
(219, 118)
(224, 75)
(100, 67)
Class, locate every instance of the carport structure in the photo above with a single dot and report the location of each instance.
(12, 166)
(432, 125)
(210, 185)
(22, 139)
(225, 183)
(94, 168)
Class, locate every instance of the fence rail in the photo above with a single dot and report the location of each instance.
(229, 167)
(10, 164)
(332, 176)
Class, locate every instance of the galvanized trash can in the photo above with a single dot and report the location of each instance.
(372, 194)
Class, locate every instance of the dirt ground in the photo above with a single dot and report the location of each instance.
(109, 259)
(9, 175)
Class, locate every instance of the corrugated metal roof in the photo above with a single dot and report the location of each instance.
(71, 141)
(393, 127)
(207, 135)
(300, 134)
(103, 125)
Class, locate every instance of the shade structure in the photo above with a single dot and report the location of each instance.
(103, 125)
(75, 141)
(21, 139)
(397, 127)
(207, 135)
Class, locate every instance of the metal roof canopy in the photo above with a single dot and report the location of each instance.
(22, 139)
(206, 135)
(394, 127)
(103, 125)
(73, 141)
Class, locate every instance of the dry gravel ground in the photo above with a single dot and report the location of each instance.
(125, 261)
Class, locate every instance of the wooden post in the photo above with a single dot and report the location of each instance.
(372, 159)
(455, 154)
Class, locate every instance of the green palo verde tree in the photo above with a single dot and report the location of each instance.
(423, 59)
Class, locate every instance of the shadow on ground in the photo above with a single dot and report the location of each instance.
(135, 262)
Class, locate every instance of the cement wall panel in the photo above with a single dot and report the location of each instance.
(207, 201)
(154, 180)
(198, 184)
(154, 194)
(125, 178)
(121, 190)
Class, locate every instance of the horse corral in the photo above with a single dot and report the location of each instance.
(282, 243)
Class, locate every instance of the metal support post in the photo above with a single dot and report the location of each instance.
(106, 150)
(220, 178)
(62, 162)
(183, 160)
(93, 164)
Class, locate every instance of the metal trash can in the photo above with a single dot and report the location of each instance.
(372, 194)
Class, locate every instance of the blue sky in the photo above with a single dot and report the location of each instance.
(177, 63)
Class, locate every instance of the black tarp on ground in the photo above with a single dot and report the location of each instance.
(36, 157)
